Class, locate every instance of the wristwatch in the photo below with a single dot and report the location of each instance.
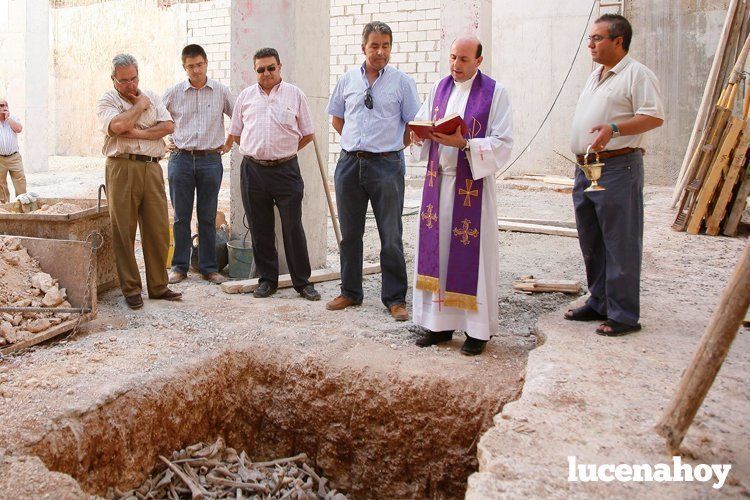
(466, 148)
(615, 130)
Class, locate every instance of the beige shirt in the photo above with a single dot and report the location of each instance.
(628, 89)
(112, 104)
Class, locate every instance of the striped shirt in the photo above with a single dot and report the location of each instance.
(8, 138)
(112, 104)
(199, 114)
(380, 129)
(270, 126)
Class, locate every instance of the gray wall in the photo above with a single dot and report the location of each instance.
(534, 43)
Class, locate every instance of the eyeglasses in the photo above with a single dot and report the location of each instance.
(126, 82)
(368, 98)
(191, 67)
(263, 69)
(599, 38)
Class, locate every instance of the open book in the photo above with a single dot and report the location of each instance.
(446, 125)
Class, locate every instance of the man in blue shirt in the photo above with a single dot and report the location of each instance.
(370, 108)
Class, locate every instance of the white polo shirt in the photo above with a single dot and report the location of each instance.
(628, 89)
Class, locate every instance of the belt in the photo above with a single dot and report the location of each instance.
(5, 156)
(270, 163)
(148, 159)
(367, 154)
(604, 155)
(199, 152)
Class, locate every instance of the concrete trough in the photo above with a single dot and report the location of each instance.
(78, 226)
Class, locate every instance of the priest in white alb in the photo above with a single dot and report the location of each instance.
(455, 280)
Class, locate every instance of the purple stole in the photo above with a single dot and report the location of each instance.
(463, 259)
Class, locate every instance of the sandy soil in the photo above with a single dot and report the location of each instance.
(47, 390)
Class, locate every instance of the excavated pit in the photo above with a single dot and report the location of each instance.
(374, 431)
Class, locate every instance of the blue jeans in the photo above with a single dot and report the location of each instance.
(190, 175)
(610, 232)
(379, 180)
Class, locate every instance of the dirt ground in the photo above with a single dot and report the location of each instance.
(47, 393)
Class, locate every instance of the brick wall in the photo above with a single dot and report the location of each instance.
(416, 38)
(208, 26)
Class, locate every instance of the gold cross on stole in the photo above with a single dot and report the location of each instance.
(429, 216)
(468, 192)
(465, 232)
(432, 173)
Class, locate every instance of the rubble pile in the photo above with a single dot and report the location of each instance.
(25, 284)
(217, 471)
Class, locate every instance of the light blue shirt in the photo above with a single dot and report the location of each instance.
(380, 129)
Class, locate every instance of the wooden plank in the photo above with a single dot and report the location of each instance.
(542, 222)
(547, 285)
(702, 118)
(738, 207)
(521, 227)
(709, 356)
(47, 334)
(727, 189)
(285, 281)
(549, 179)
(712, 179)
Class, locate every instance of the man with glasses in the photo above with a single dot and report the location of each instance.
(10, 158)
(271, 122)
(198, 106)
(619, 103)
(370, 107)
(134, 123)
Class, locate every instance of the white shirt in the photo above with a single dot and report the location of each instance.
(628, 89)
(8, 138)
(112, 104)
(486, 154)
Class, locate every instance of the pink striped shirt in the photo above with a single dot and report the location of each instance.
(271, 126)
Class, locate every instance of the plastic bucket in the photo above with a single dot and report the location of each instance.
(240, 258)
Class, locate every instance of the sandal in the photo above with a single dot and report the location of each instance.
(584, 313)
(616, 329)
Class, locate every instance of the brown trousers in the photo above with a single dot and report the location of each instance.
(136, 197)
(14, 165)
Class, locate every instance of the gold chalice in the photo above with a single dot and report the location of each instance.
(593, 171)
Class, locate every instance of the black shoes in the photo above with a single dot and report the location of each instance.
(310, 293)
(264, 290)
(473, 347)
(429, 337)
(134, 301)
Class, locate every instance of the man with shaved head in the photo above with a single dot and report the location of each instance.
(457, 253)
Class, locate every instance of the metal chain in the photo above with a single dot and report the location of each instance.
(95, 241)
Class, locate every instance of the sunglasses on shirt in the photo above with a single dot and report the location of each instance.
(263, 69)
(368, 98)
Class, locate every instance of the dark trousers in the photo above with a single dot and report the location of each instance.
(194, 178)
(379, 180)
(610, 232)
(262, 188)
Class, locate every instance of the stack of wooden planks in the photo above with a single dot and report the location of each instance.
(714, 183)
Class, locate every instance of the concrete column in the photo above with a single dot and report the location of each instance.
(466, 17)
(24, 81)
(35, 144)
(300, 32)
